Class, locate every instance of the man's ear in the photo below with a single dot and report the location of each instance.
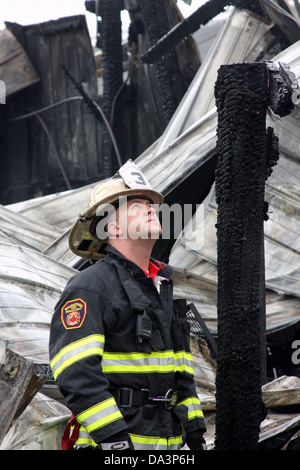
(112, 227)
(112, 230)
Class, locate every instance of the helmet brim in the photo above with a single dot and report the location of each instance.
(83, 240)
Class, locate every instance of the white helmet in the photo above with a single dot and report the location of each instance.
(128, 181)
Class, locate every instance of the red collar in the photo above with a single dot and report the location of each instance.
(153, 270)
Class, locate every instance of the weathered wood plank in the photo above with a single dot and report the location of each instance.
(18, 385)
(16, 70)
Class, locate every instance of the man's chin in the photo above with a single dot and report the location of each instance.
(154, 235)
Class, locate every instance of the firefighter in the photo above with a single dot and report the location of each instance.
(119, 344)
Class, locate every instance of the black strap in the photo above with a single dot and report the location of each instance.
(127, 397)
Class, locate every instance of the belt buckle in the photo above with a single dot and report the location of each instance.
(170, 399)
(130, 397)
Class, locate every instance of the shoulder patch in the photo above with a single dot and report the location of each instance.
(73, 313)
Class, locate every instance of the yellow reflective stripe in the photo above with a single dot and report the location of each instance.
(74, 352)
(100, 415)
(157, 361)
(154, 440)
(138, 369)
(86, 443)
(194, 407)
(155, 443)
(139, 442)
(137, 356)
(184, 362)
(84, 439)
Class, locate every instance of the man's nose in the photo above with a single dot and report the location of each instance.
(150, 209)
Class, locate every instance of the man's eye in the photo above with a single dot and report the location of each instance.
(135, 207)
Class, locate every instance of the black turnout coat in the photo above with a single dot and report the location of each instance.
(113, 377)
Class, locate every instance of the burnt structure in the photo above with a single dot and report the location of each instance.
(52, 136)
(50, 140)
(113, 85)
(246, 154)
(189, 25)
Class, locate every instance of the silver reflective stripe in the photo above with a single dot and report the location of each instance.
(155, 443)
(157, 361)
(139, 442)
(161, 362)
(194, 407)
(84, 439)
(184, 362)
(83, 434)
(73, 352)
(100, 415)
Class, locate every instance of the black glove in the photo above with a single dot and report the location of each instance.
(120, 441)
(195, 440)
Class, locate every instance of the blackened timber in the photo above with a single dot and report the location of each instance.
(167, 70)
(92, 5)
(112, 69)
(242, 96)
(189, 25)
(147, 91)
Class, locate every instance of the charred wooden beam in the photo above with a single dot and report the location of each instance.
(191, 24)
(94, 6)
(112, 71)
(109, 39)
(246, 153)
(169, 78)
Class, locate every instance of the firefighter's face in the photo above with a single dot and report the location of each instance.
(137, 219)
